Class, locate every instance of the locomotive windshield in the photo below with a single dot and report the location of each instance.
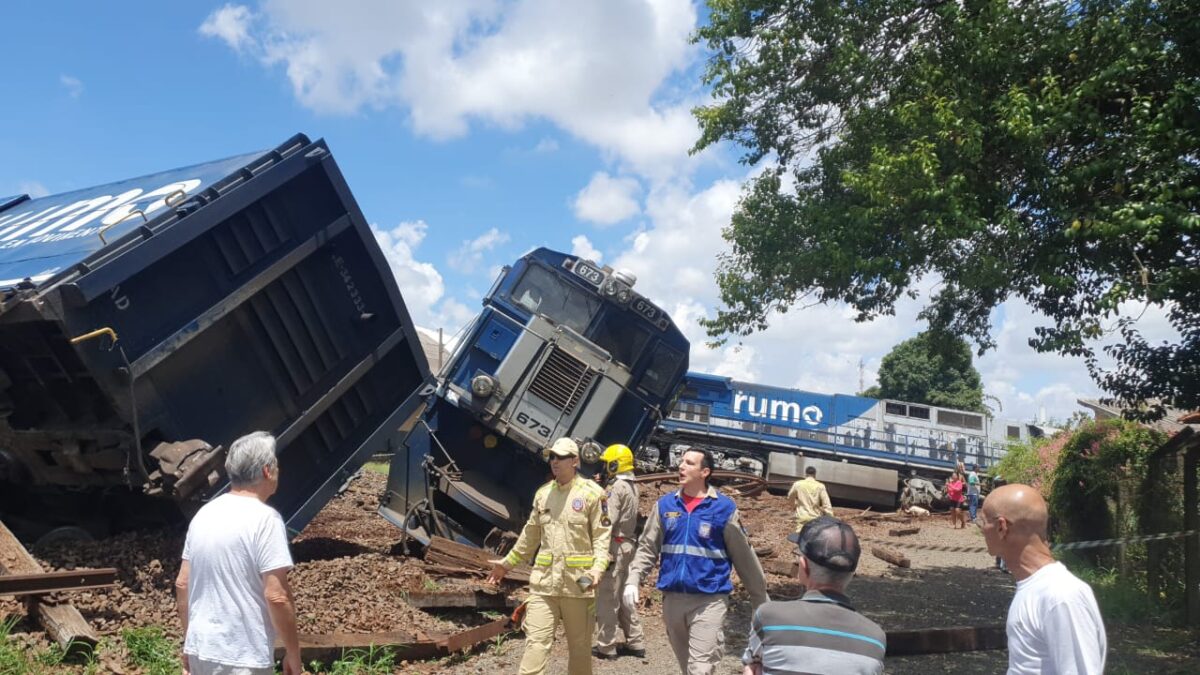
(541, 292)
(619, 336)
(660, 373)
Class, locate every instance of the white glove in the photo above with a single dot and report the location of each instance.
(630, 597)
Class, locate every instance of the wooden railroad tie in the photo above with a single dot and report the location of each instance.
(894, 557)
(944, 640)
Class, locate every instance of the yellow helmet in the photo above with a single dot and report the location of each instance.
(617, 459)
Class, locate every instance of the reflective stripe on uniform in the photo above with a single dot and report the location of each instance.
(679, 549)
(547, 559)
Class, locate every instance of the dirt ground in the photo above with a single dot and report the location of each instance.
(348, 581)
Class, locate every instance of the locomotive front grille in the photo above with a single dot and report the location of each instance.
(562, 380)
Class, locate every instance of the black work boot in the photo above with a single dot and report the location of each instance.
(626, 651)
(601, 655)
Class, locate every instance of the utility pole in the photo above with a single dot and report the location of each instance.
(861, 369)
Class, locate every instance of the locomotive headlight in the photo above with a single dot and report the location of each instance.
(617, 290)
(483, 385)
(590, 452)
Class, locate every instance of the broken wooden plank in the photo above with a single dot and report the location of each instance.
(459, 599)
(903, 531)
(944, 640)
(57, 582)
(473, 636)
(63, 623)
(330, 647)
(894, 557)
(453, 554)
(453, 571)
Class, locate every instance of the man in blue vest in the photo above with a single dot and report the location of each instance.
(697, 534)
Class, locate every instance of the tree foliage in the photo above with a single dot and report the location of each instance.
(1040, 150)
(934, 370)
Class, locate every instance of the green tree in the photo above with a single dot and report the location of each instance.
(934, 370)
(1032, 149)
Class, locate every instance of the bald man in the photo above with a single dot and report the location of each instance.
(1054, 624)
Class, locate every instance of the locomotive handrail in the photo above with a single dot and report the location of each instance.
(903, 446)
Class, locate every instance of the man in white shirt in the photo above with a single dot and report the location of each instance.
(232, 591)
(1054, 624)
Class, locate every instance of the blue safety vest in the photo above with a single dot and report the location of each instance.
(694, 559)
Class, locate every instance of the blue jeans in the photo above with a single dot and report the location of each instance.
(973, 505)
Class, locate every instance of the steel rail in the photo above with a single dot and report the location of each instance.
(57, 582)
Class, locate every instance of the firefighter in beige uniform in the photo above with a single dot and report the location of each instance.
(612, 616)
(569, 530)
(810, 498)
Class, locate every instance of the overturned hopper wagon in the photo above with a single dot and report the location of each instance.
(146, 324)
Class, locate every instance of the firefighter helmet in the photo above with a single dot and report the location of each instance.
(617, 459)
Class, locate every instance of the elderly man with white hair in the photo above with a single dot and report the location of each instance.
(232, 591)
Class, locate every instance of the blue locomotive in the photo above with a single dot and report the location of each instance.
(563, 347)
(861, 445)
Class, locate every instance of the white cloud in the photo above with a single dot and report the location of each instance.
(420, 283)
(607, 200)
(601, 71)
(73, 85)
(582, 247)
(32, 188)
(230, 24)
(819, 347)
(468, 258)
(594, 68)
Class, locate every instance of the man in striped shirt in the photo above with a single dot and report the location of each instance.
(821, 632)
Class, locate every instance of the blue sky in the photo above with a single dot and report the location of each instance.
(470, 131)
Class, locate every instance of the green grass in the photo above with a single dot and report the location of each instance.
(380, 468)
(370, 661)
(13, 659)
(152, 651)
(16, 659)
(1123, 600)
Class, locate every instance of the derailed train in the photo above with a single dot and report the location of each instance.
(146, 324)
(563, 347)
